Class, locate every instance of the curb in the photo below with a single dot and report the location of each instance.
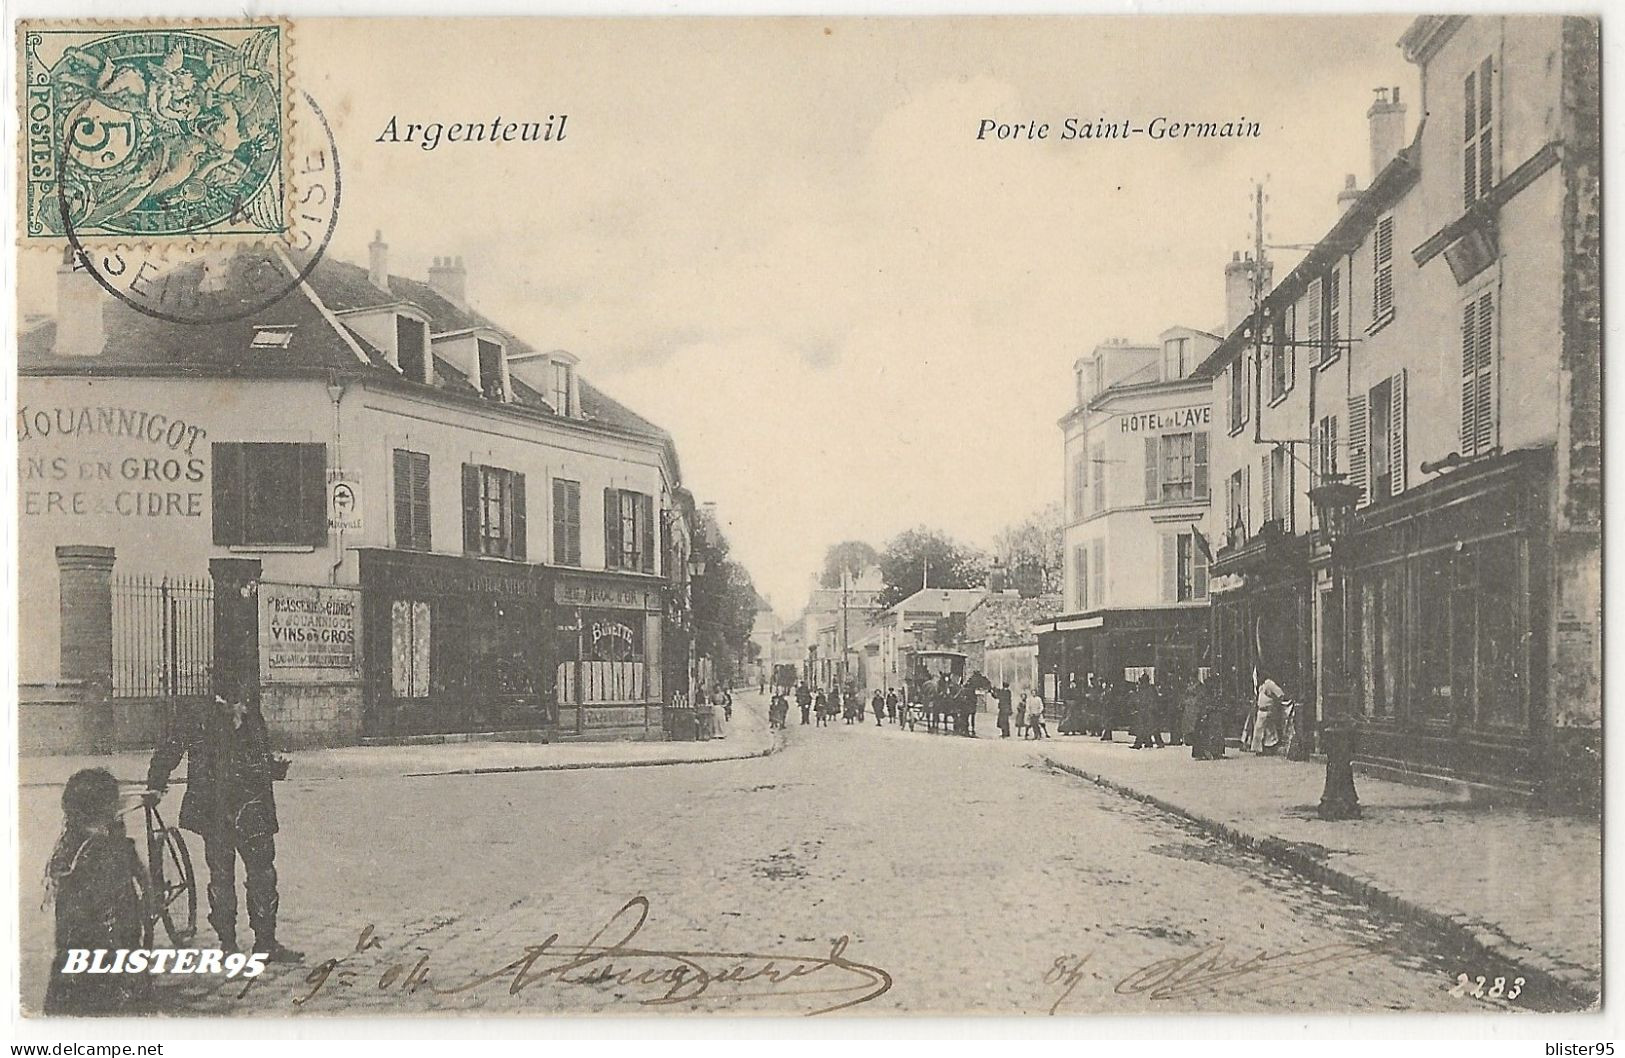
(1475, 938)
(778, 744)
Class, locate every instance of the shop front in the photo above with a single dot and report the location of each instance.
(1120, 645)
(1448, 623)
(1263, 621)
(607, 656)
(454, 645)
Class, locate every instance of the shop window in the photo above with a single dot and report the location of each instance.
(493, 512)
(628, 530)
(411, 500)
(1176, 468)
(566, 522)
(1380, 616)
(1478, 363)
(1433, 689)
(1478, 134)
(412, 348)
(409, 624)
(273, 494)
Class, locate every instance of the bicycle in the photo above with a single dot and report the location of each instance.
(168, 886)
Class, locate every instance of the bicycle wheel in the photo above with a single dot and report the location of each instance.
(178, 897)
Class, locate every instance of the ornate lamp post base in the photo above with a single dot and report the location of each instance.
(1338, 800)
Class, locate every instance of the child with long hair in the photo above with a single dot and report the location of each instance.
(92, 877)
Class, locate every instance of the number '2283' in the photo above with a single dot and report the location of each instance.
(1481, 987)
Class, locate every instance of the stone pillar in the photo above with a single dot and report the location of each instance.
(236, 628)
(85, 586)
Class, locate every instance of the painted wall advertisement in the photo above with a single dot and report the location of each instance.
(309, 634)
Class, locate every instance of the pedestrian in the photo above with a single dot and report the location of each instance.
(1190, 710)
(891, 705)
(1003, 697)
(1144, 700)
(1035, 716)
(821, 707)
(878, 706)
(1072, 723)
(1112, 701)
(1208, 740)
(1021, 713)
(804, 701)
(91, 877)
(727, 699)
(229, 803)
(1168, 712)
(1266, 738)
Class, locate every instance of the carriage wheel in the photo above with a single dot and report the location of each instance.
(177, 899)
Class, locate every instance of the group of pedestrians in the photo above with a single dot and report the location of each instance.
(1184, 708)
(822, 706)
(1027, 712)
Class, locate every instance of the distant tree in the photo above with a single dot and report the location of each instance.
(922, 552)
(724, 606)
(1035, 539)
(849, 556)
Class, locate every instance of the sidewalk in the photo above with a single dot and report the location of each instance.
(746, 736)
(1518, 884)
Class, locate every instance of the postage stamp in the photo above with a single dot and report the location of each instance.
(150, 131)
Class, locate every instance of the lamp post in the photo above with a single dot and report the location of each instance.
(1334, 501)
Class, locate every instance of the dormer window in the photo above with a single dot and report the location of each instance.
(412, 348)
(273, 337)
(492, 380)
(561, 389)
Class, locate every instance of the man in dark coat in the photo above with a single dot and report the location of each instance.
(229, 803)
(804, 700)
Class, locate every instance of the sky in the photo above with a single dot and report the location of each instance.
(783, 241)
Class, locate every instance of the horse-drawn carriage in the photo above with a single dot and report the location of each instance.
(939, 694)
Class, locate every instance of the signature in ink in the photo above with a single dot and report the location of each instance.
(1216, 970)
(658, 976)
(1065, 973)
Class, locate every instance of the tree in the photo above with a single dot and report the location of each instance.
(849, 556)
(723, 599)
(1035, 539)
(928, 552)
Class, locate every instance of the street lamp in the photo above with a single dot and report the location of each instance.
(1334, 501)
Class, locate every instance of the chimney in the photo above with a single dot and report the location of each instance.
(1348, 196)
(378, 261)
(450, 280)
(1238, 288)
(80, 330)
(1387, 117)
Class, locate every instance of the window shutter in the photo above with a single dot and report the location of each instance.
(313, 491)
(1334, 309)
(1331, 443)
(1268, 489)
(471, 509)
(1151, 455)
(1198, 570)
(1170, 567)
(612, 528)
(1359, 460)
(403, 499)
(1317, 452)
(1382, 262)
(1396, 435)
(516, 538)
(229, 492)
(1080, 576)
(573, 526)
(646, 519)
(1199, 445)
(1097, 569)
(1316, 308)
(1484, 411)
(561, 523)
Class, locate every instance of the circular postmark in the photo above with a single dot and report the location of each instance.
(189, 281)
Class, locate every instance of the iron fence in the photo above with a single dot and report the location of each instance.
(163, 636)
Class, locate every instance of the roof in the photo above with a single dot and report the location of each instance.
(1009, 617)
(940, 600)
(321, 343)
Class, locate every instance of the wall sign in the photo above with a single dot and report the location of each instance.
(344, 499)
(110, 462)
(308, 634)
(575, 592)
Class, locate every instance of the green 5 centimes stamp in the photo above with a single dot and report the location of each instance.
(155, 131)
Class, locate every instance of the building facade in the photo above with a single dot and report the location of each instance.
(1439, 349)
(518, 539)
(1137, 493)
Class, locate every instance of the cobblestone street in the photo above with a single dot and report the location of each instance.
(967, 876)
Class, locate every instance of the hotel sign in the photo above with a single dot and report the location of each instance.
(1158, 421)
